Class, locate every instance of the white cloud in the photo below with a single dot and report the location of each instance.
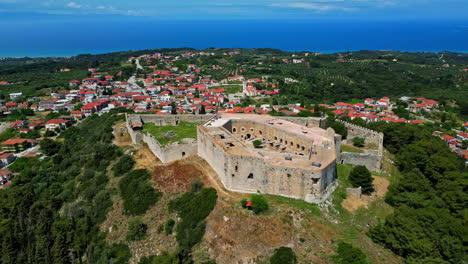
(314, 6)
(73, 5)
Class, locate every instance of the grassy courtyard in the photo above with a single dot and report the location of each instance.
(183, 130)
(351, 148)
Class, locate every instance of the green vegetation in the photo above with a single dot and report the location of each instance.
(192, 208)
(136, 230)
(183, 130)
(137, 193)
(164, 258)
(35, 83)
(292, 203)
(347, 254)
(349, 148)
(124, 165)
(358, 142)
(231, 89)
(169, 226)
(259, 204)
(49, 146)
(283, 255)
(427, 225)
(56, 213)
(257, 143)
(360, 176)
(338, 127)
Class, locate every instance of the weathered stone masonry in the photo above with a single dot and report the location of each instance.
(297, 159)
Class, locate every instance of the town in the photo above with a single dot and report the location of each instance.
(169, 85)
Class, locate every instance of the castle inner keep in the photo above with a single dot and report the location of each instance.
(293, 160)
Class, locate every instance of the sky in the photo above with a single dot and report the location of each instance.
(32, 10)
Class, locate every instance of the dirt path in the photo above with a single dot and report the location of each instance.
(352, 203)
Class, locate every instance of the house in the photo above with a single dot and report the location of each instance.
(17, 144)
(383, 102)
(447, 138)
(462, 136)
(5, 176)
(18, 124)
(56, 123)
(416, 108)
(7, 158)
(34, 124)
(14, 96)
(74, 83)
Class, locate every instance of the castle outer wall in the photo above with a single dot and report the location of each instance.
(250, 174)
(168, 153)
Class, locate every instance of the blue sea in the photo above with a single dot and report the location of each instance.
(77, 36)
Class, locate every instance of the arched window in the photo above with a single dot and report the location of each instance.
(250, 176)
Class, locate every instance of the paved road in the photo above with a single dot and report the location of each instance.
(137, 62)
(133, 83)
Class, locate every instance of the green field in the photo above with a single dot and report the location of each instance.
(183, 130)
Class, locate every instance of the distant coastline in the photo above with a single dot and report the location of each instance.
(68, 55)
(97, 37)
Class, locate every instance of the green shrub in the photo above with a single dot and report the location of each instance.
(136, 230)
(169, 226)
(244, 203)
(197, 185)
(257, 143)
(283, 255)
(164, 258)
(124, 165)
(259, 204)
(360, 176)
(116, 253)
(358, 142)
(137, 194)
(193, 208)
(347, 254)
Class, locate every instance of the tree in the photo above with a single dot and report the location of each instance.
(173, 108)
(465, 144)
(283, 255)
(360, 176)
(339, 128)
(49, 146)
(136, 230)
(202, 110)
(358, 142)
(347, 254)
(124, 165)
(259, 204)
(49, 133)
(169, 226)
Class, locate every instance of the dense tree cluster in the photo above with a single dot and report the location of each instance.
(430, 201)
(192, 208)
(52, 211)
(137, 193)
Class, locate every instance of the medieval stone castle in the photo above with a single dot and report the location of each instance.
(292, 156)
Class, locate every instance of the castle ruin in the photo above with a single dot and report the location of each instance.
(292, 156)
